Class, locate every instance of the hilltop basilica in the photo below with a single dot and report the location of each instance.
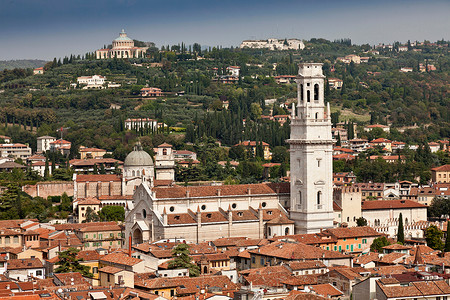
(200, 213)
(122, 47)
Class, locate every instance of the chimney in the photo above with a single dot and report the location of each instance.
(129, 246)
(249, 191)
(187, 193)
(219, 192)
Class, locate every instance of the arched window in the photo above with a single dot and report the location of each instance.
(138, 173)
(308, 96)
(348, 219)
(164, 151)
(133, 173)
(301, 92)
(406, 221)
(144, 213)
(319, 198)
(316, 92)
(286, 231)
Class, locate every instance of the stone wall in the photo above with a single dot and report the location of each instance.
(51, 188)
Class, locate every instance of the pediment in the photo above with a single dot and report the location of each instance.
(298, 182)
(319, 182)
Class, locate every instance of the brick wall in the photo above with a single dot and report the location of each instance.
(45, 189)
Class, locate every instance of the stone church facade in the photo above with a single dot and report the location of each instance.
(201, 213)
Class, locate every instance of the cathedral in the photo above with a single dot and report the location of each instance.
(122, 47)
(265, 210)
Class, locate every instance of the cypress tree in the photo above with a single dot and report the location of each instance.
(447, 239)
(400, 231)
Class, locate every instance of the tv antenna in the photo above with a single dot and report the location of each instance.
(61, 131)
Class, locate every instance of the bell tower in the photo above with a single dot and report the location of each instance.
(311, 149)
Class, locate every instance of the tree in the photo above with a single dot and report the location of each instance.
(181, 259)
(379, 243)
(400, 231)
(112, 213)
(439, 208)
(91, 216)
(361, 222)
(447, 239)
(69, 262)
(433, 236)
(66, 204)
(280, 154)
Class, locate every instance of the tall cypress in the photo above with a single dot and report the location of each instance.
(400, 231)
(447, 239)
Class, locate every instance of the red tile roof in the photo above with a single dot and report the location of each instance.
(445, 168)
(390, 204)
(26, 263)
(121, 258)
(96, 178)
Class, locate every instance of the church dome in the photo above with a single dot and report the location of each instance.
(123, 37)
(138, 158)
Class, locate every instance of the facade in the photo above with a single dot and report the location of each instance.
(252, 145)
(311, 148)
(441, 174)
(104, 236)
(15, 151)
(23, 269)
(94, 81)
(89, 153)
(165, 163)
(43, 143)
(274, 44)
(122, 47)
(61, 146)
(202, 213)
(136, 124)
(151, 92)
(380, 213)
(38, 71)
(348, 198)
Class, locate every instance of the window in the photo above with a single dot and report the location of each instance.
(94, 270)
(262, 261)
(203, 207)
(364, 241)
(301, 92)
(172, 292)
(111, 235)
(165, 153)
(269, 231)
(308, 96)
(253, 260)
(86, 236)
(319, 198)
(156, 292)
(316, 92)
(144, 213)
(172, 208)
(16, 239)
(264, 204)
(317, 116)
(318, 161)
(234, 205)
(39, 273)
(286, 231)
(100, 236)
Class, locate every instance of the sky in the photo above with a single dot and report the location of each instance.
(43, 29)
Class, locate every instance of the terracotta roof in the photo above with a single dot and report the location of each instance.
(188, 285)
(100, 227)
(252, 143)
(351, 232)
(392, 258)
(92, 162)
(306, 265)
(297, 295)
(397, 247)
(96, 178)
(121, 258)
(445, 168)
(210, 191)
(92, 150)
(74, 278)
(415, 289)
(73, 226)
(110, 270)
(282, 219)
(390, 204)
(227, 242)
(89, 201)
(165, 145)
(26, 263)
(326, 290)
(296, 251)
(366, 258)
